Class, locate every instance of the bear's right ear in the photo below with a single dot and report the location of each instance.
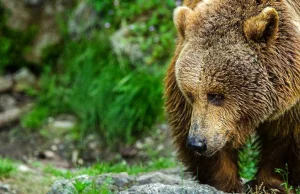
(180, 17)
(263, 27)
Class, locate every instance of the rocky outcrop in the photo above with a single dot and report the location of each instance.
(168, 181)
(124, 43)
(172, 189)
(83, 19)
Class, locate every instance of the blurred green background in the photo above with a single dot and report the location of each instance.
(105, 64)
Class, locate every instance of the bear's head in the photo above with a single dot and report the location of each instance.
(222, 69)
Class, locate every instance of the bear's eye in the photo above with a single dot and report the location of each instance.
(215, 99)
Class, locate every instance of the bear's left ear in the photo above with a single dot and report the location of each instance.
(180, 18)
(263, 27)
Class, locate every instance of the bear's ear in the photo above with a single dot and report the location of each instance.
(263, 27)
(179, 17)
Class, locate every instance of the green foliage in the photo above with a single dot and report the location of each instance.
(6, 167)
(35, 118)
(248, 158)
(81, 185)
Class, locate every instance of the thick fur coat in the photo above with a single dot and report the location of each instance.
(236, 71)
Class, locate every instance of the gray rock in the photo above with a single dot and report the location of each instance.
(24, 169)
(63, 187)
(83, 19)
(159, 177)
(6, 84)
(61, 124)
(120, 180)
(125, 44)
(6, 189)
(7, 102)
(12, 115)
(165, 181)
(172, 189)
(24, 79)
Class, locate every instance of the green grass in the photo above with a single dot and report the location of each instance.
(34, 119)
(6, 167)
(102, 168)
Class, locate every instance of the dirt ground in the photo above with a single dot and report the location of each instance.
(61, 151)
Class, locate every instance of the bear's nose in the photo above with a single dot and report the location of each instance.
(197, 144)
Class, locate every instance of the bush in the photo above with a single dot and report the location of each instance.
(6, 167)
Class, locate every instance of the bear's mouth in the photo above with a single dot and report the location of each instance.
(208, 153)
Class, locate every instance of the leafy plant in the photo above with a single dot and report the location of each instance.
(81, 185)
(248, 158)
(285, 175)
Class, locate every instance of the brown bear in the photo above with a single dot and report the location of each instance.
(236, 71)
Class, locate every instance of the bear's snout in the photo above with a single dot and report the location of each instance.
(197, 144)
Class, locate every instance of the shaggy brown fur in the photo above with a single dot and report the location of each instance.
(246, 51)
